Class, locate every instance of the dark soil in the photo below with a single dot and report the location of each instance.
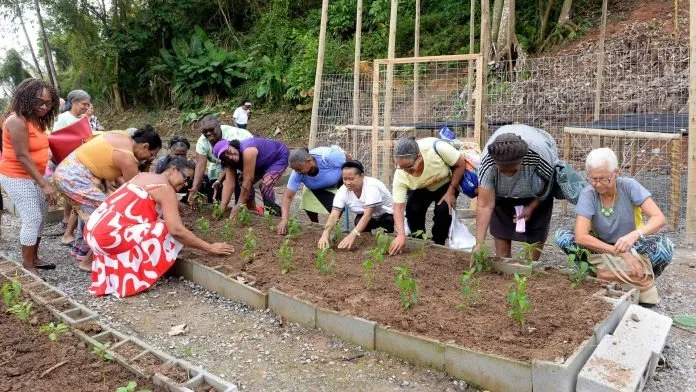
(149, 363)
(175, 373)
(91, 328)
(25, 354)
(128, 350)
(559, 320)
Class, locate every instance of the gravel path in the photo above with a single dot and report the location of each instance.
(258, 352)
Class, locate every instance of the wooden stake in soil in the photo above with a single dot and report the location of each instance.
(600, 61)
(691, 182)
(318, 75)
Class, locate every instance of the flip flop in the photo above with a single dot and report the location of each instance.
(47, 266)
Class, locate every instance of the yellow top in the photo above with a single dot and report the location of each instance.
(98, 156)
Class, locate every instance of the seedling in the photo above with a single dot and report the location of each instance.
(383, 240)
(218, 210)
(100, 351)
(268, 218)
(227, 230)
(22, 310)
(407, 286)
(200, 199)
(577, 261)
(368, 272)
(336, 234)
(293, 227)
(11, 291)
(130, 387)
(249, 246)
(203, 225)
(420, 254)
(244, 216)
(527, 252)
(518, 300)
(285, 255)
(54, 330)
(325, 260)
(471, 294)
(480, 259)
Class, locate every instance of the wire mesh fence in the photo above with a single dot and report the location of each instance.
(641, 112)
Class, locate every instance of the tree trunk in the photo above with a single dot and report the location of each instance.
(51, 69)
(118, 101)
(500, 42)
(564, 17)
(497, 16)
(544, 19)
(26, 35)
(507, 47)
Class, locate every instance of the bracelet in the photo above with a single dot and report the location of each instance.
(640, 233)
(355, 233)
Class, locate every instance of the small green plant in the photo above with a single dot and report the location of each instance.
(249, 246)
(407, 286)
(480, 259)
(518, 300)
(285, 255)
(218, 211)
(200, 199)
(203, 225)
(244, 216)
(336, 234)
(420, 254)
(130, 387)
(293, 227)
(383, 240)
(100, 350)
(368, 267)
(268, 218)
(227, 230)
(54, 330)
(527, 252)
(325, 260)
(471, 295)
(580, 268)
(22, 310)
(11, 292)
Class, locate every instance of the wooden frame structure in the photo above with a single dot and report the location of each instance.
(598, 136)
(385, 141)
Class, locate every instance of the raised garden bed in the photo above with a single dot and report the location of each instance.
(28, 354)
(560, 331)
(87, 348)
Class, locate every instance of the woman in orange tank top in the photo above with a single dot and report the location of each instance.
(32, 111)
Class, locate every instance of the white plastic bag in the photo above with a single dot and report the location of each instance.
(459, 236)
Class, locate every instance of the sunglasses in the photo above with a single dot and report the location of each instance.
(187, 179)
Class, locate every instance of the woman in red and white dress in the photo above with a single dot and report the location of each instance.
(133, 246)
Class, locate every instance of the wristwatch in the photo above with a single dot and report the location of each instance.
(640, 233)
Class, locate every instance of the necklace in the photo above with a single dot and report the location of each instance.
(608, 211)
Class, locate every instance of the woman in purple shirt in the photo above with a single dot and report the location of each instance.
(259, 159)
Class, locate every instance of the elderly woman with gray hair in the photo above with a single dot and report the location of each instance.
(517, 168)
(610, 225)
(428, 171)
(77, 105)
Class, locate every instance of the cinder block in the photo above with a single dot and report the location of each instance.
(353, 329)
(203, 378)
(562, 376)
(488, 371)
(237, 291)
(609, 324)
(292, 308)
(510, 267)
(615, 366)
(206, 278)
(78, 315)
(649, 331)
(419, 350)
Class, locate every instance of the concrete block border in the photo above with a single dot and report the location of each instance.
(488, 371)
(49, 296)
(292, 308)
(216, 281)
(419, 350)
(350, 328)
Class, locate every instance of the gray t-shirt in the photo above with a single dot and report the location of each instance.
(630, 194)
(537, 165)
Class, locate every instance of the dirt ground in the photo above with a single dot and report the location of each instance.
(257, 351)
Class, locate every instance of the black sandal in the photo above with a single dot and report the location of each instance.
(47, 266)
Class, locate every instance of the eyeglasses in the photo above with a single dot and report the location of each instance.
(187, 179)
(601, 180)
(40, 102)
(412, 167)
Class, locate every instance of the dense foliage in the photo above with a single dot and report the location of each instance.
(200, 53)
